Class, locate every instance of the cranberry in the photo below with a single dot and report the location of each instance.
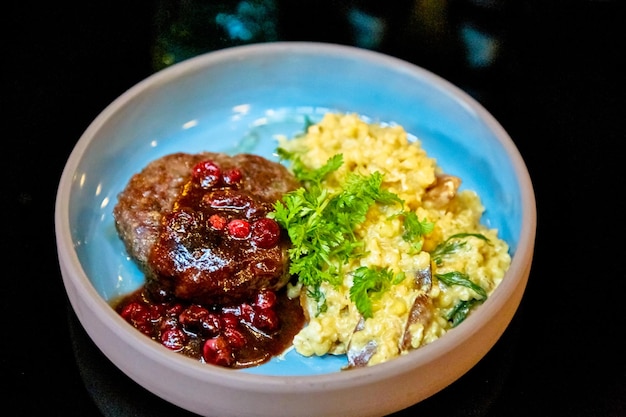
(131, 309)
(265, 233)
(174, 310)
(265, 299)
(239, 228)
(247, 313)
(217, 222)
(266, 319)
(139, 315)
(199, 319)
(232, 177)
(156, 311)
(168, 323)
(229, 320)
(192, 314)
(236, 339)
(211, 324)
(207, 173)
(217, 351)
(173, 339)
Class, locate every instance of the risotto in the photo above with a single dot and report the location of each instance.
(390, 253)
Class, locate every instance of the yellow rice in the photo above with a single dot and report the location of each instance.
(408, 172)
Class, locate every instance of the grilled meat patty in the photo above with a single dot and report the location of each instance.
(196, 224)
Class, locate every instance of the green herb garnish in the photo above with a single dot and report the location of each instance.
(370, 283)
(321, 223)
(318, 295)
(459, 278)
(414, 230)
(461, 310)
(452, 245)
(311, 178)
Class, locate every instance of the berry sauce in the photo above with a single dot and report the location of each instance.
(234, 332)
(233, 336)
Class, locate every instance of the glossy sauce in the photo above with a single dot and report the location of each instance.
(155, 318)
(215, 245)
(216, 285)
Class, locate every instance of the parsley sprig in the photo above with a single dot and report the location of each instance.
(368, 284)
(321, 222)
(415, 229)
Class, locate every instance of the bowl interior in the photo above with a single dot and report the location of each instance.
(238, 100)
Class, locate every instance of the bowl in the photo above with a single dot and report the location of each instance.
(238, 100)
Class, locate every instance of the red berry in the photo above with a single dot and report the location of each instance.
(265, 299)
(229, 321)
(174, 310)
(232, 177)
(168, 323)
(207, 173)
(199, 319)
(239, 229)
(131, 309)
(217, 222)
(139, 315)
(236, 339)
(211, 324)
(156, 311)
(265, 233)
(247, 313)
(217, 351)
(266, 319)
(173, 339)
(192, 314)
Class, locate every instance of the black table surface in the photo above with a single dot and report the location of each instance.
(556, 90)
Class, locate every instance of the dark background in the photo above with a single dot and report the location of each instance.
(555, 86)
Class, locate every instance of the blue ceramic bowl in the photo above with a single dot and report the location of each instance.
(237, 100)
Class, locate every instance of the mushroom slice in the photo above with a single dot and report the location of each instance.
(359, 356)
(424, 278)
(421, 310)
(443, 190)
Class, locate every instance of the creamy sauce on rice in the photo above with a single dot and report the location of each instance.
(412, 312)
